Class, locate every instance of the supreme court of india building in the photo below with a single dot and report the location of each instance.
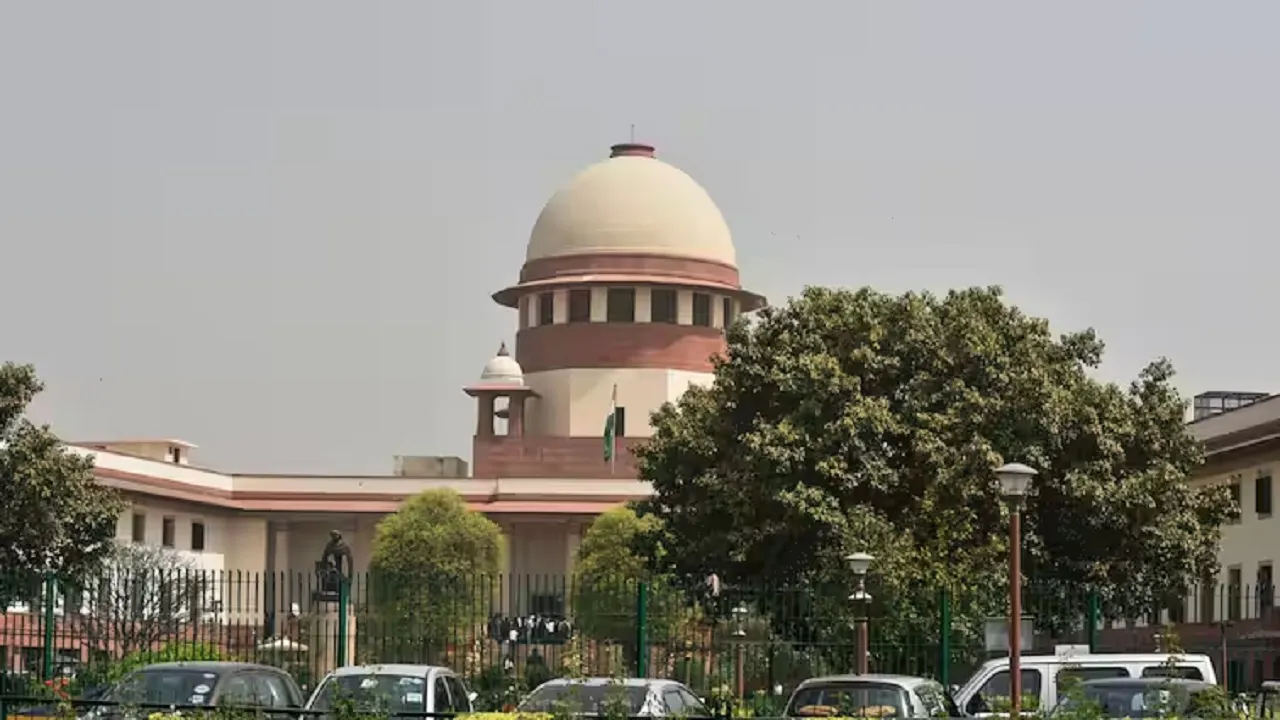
(628, 282)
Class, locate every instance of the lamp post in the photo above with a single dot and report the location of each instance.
(860, 563)
(1014, 479)
(739, 637)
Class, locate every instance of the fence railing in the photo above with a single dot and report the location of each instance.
(517, 630)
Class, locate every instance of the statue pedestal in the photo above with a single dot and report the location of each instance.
(325, 635)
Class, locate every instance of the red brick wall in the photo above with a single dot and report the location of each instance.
(618, 345)
(550, 457)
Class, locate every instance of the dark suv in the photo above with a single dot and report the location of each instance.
(203, 684)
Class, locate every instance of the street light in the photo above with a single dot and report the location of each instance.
(1014, 479)
(739, 638)
(860, 563)
(739, 613)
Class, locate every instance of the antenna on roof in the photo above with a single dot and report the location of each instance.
(633, 132)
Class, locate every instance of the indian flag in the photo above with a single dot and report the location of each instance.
(611, 428)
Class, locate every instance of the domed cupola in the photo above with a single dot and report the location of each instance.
(502, 370)
(629, 265)
(501, 378)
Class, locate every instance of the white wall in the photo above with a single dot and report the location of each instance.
(216, 526)
(1251, 542)
(575, 402)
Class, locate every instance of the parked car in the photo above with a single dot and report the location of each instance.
(234, 684)
(987, 691)
(393, 688)
(1140, 697)
(645, 697)
(900, 696)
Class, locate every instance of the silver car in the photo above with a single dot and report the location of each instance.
(393, 688)
(881, 696)
(645, 697)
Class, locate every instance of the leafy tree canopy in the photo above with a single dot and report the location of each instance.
(858, 420)
(434, 573)
(607, 576)
(54, 516)
(606, 551)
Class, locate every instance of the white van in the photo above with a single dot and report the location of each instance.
(1041, 675)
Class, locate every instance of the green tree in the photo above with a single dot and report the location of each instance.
(857, 420)
(433, 576)
(607, 577)
(54, 515)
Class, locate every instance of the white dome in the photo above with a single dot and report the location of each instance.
(632, 203)
(502, 370)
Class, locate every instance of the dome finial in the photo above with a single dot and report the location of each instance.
(502, 370)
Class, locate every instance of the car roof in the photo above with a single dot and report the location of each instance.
(599, 681)
(208, 666)
(905, 681)
(1154, 681)
(1102, 658)
(389, 669)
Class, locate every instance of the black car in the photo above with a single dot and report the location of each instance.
(203, 684)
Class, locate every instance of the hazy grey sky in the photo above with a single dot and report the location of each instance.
(272, 228)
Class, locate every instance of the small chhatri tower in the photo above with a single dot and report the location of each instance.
(629, 280)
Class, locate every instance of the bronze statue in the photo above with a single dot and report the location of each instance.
(335, 564)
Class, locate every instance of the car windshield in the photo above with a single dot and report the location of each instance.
(165, 686)
(589, 699)
(392, 693)
(850, 699)
(1138, 700)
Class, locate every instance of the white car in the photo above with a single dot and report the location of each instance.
(1043, 674)
(393, 689)
(645, 697)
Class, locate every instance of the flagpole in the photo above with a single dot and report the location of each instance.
(613, 454)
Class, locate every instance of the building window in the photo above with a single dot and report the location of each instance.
(728, 311)
(524, 312)
(139, 527)
(1208, 596)
(32, 660)
(1236, 498)
(1235, 676)
(197, 536)
(1262, 495)
(1177, 608)
(702, 309)
(580, 305)
(168, 532)
(620, 422)
(546, 308)
(621, 306)
(662, 306)
(1234, 595)
(1266, 590)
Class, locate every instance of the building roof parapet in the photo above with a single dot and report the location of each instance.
(354, 493)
